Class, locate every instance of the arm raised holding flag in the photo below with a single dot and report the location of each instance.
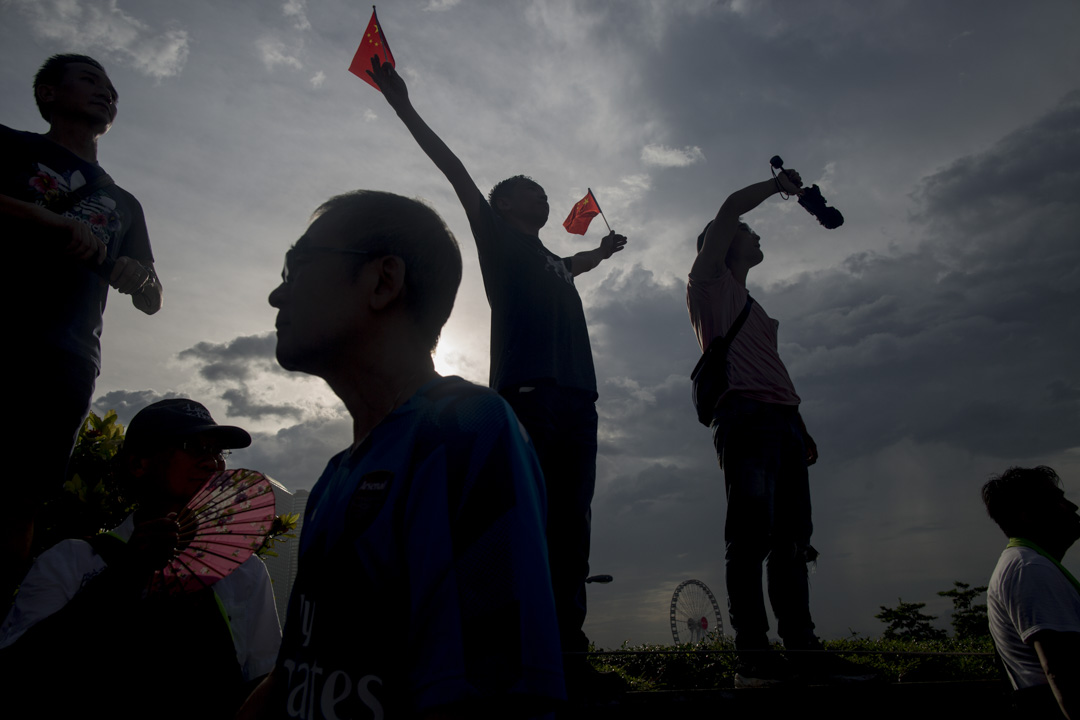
(541, 359)
(396, 93)
(393, 87)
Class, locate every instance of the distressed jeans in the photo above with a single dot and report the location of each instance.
(761, 448)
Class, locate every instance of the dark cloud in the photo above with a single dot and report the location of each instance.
(921, 371)
(128, 402)
(240, 404)
(236, 359)
(296, 455)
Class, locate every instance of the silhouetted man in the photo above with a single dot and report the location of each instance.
(762, 446)
(63, 217)
(1033, 602)
(84, 638)
(541, 360)
(422, 588)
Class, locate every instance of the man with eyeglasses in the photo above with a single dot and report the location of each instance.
(422, 587)
(82, 613)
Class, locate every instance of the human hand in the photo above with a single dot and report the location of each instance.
(790, 182)
(390, 83)
(612, 244)
(81, 243)
(128, 275)
(153, 543)
(811, 449)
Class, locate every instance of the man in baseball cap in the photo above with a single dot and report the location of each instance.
(88, 596)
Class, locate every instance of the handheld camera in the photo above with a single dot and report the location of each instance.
(812, 200)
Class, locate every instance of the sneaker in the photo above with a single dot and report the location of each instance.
(585, 683)
(827, 667)
(763, 669)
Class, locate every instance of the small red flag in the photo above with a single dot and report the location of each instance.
(584, 211)
(374, 44)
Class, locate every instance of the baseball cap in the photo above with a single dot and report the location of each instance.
(160, 423)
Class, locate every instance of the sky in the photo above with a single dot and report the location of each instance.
(933, 337)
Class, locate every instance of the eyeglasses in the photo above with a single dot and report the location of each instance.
(296, 256)
(200, 449)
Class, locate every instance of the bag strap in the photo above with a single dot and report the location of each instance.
(69, 200)
(737, 325)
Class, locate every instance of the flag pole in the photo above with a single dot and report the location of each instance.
(600, 211)
(378, 27)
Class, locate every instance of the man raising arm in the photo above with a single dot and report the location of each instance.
(541, 359)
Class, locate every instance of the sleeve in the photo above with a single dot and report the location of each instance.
(248, 597)
(713, 304)
(136, 243)
(1042, 599)
(51, 583)
(479, 578)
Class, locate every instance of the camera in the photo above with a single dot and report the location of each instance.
(812, 200)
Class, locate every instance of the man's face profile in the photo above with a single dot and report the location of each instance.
(316, 312)
(84, 92)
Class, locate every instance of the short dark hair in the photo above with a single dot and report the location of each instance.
(1017, 491)
(503, 188)
(387, 224)
(52, 73)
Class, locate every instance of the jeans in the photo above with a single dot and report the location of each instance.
(763, 454)
(562, 424)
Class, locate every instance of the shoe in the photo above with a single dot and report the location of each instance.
(826, 667)
(762, 670)
(585, 683)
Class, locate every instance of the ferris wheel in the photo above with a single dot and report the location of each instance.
(694, 612)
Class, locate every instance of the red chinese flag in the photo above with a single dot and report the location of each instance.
(373, 44)
(584, 211)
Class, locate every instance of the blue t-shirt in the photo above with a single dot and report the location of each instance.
(538, 330)
(423, 574)
(68, 300)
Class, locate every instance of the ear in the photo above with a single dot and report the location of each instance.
(389, 281)
(503, 203)
(44, 93)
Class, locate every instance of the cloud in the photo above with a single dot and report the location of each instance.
(664, 156)
(128, 402)
(318, 79)
(274, 52)
(296, 10)
(296, 455)
(100, 25)
(441, 5)
(369, 115)
(240, 404)
(236, 359)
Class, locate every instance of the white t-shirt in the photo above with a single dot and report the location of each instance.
(62, 570)
(1028, 594)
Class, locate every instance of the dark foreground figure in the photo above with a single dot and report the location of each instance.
(423, 588)
(764, 450)
(84, 640)
(1033, 602)
(65, 216)
(541, 360)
